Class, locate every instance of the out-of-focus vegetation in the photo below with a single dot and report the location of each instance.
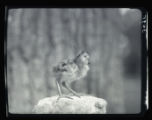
(37, 39)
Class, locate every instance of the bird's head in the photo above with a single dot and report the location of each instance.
(83, 57)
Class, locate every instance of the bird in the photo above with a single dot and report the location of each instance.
(71, 70)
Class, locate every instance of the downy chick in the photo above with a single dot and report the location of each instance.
(71, 70)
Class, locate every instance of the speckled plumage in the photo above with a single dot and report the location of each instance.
(71, 70)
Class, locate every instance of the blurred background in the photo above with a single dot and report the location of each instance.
(37, 39)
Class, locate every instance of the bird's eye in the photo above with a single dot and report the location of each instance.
(85, 56)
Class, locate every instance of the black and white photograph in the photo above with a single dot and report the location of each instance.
(74, 60)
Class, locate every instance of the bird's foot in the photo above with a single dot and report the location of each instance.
(64, 96)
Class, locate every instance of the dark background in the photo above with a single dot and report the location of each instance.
(37, 39)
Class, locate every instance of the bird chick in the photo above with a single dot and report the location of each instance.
(71, 70)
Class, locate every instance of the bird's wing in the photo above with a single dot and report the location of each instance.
(58, 69)
(61, 67)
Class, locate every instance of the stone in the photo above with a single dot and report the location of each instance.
(84, 105)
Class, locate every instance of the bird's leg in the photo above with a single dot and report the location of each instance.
(60, 93)
(72, 91)
(59, 88)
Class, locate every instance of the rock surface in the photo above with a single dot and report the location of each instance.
(83, 105)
